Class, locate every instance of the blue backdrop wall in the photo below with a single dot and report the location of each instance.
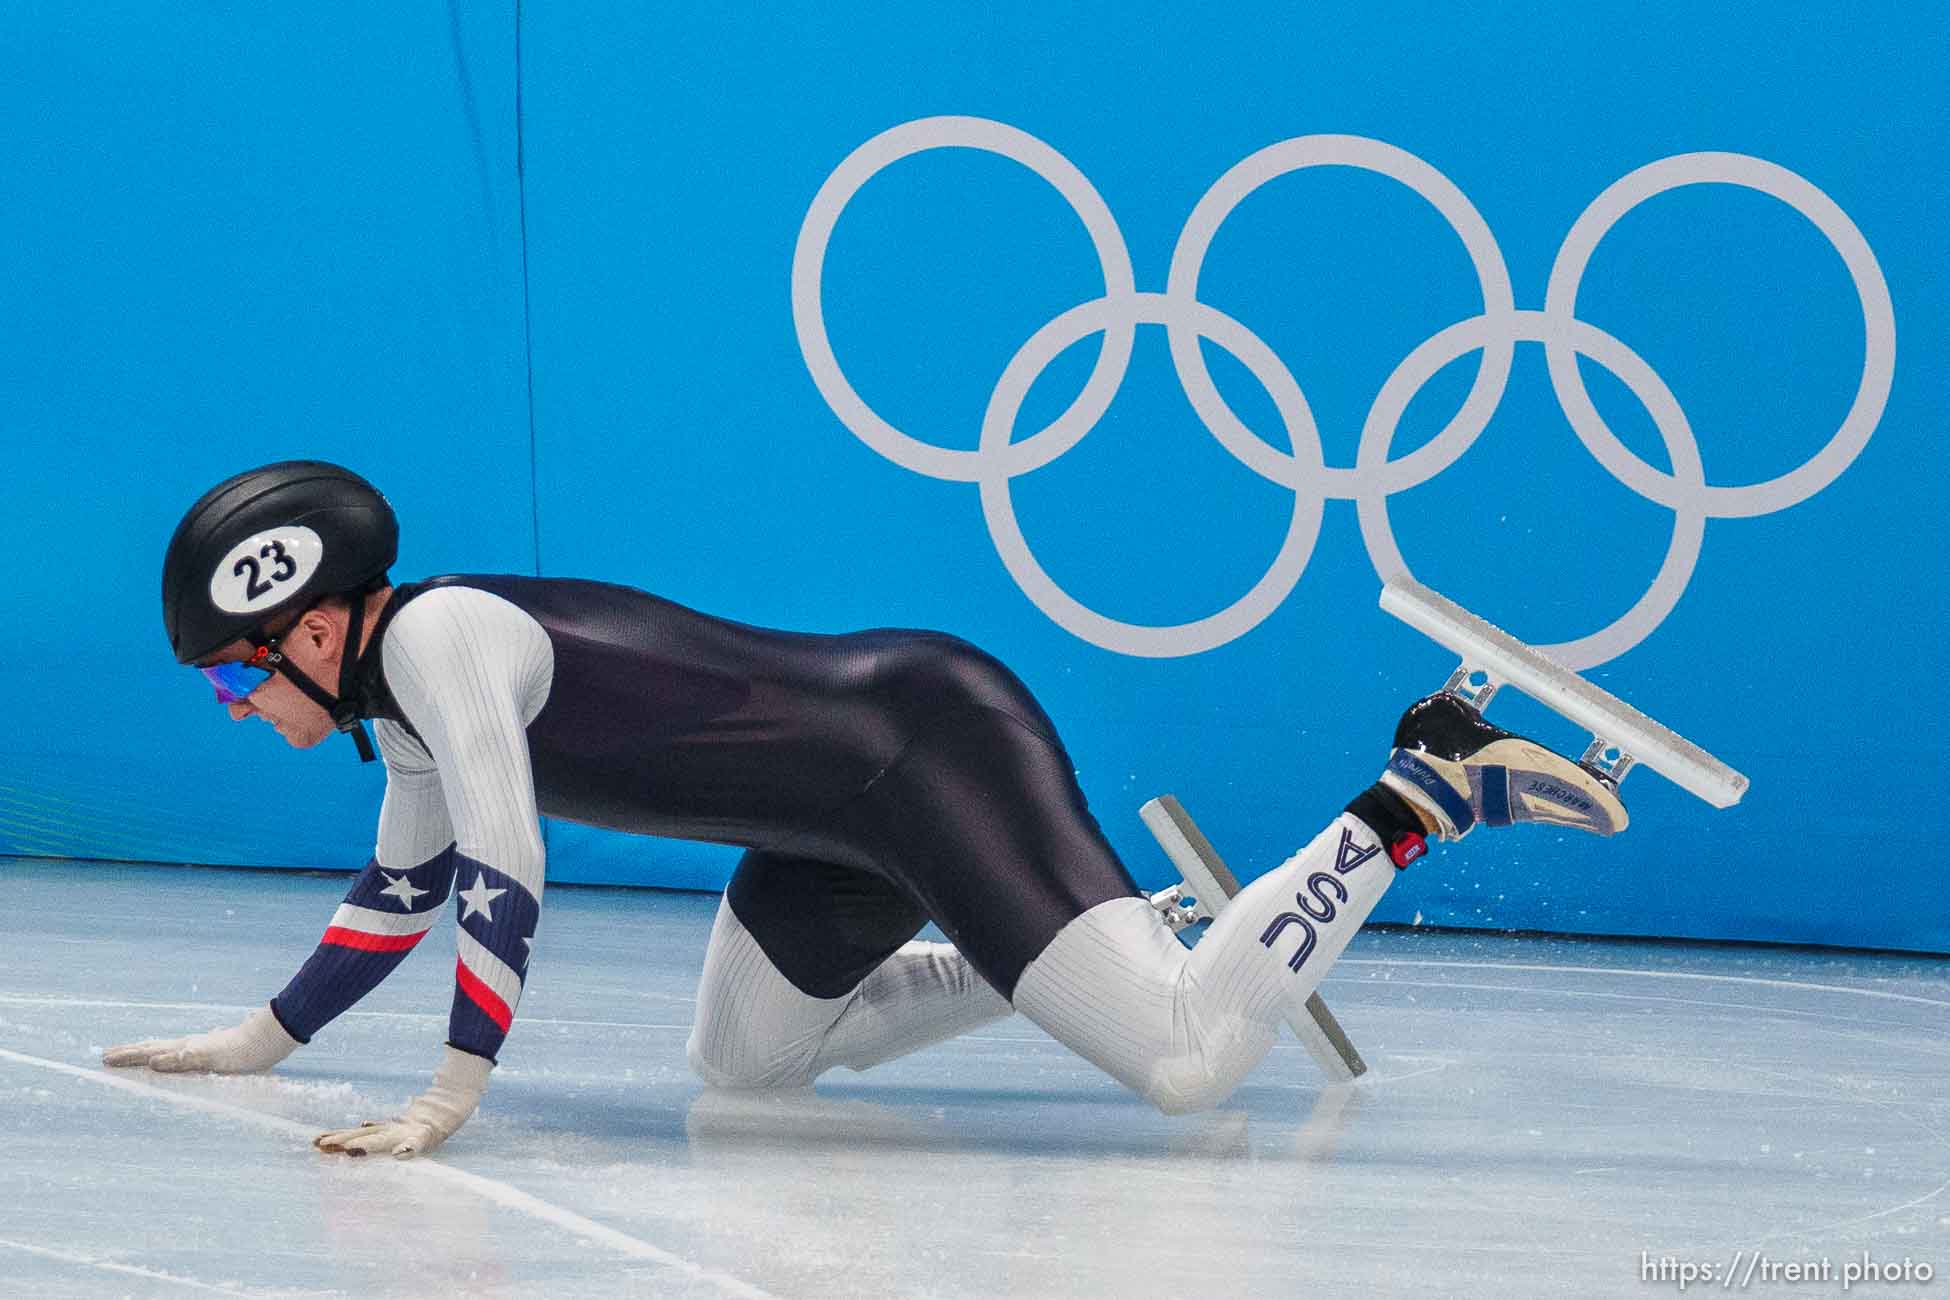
(1134, 347)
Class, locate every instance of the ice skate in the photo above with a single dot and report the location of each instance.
(1621, 736)
(1463, 773)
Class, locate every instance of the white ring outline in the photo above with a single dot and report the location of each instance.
(809, 317)
(1689, 518)
(998, 509)
(1878, 329)
(1492, 279)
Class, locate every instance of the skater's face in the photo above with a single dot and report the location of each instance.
(314, 645)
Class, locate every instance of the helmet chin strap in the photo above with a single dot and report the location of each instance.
(345, 712)
(344, 707)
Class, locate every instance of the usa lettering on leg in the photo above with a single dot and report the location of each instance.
(1321, 908)
(1351, 855)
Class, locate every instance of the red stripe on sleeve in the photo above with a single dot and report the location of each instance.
(483, 997)
(359, 939)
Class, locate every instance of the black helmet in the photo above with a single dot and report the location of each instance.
(270, 539)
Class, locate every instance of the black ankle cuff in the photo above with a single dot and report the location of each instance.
(1388, 815)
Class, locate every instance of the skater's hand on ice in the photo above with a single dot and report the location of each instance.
(401, 1138)
(430, 1119)
(257, 1044)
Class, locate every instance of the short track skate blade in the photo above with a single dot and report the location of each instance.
(1213, 884)
(1485, 646)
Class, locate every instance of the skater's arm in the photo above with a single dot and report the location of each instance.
(392, 904)
(469, 672)
(390, 907)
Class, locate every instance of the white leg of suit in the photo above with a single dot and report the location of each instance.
(754, 1029)
(1182, 1028)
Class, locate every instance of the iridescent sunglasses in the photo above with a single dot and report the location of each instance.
(237, 678)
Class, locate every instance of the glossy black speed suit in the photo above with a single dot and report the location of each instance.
(879, 779)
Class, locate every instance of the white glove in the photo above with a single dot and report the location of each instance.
(430, 1118)
(257, 1044)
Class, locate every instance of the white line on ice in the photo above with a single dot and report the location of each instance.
(1924, 1199)
(500, 1193)
(1367, 1080)
(1597, 995)
(43, 1000)
(1654, 975)
(151, 1274)
(23, 999)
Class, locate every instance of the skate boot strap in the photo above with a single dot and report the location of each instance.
(1406, 766)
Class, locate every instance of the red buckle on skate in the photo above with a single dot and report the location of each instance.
(1407, 847)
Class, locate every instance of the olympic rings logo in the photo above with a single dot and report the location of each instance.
(998, 457)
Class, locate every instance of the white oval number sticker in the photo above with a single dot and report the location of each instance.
(264, 568)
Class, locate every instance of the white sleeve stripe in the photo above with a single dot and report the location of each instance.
(490, 969)
(504, 774)
(351, 916)
(491, 728)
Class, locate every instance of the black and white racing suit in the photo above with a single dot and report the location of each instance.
(878, 780)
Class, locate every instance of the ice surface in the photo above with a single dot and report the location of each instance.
(1539, 1113)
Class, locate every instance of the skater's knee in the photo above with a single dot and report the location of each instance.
(1189, 1081)
(1185, 1087)
(706, 1064)
(732, 1062)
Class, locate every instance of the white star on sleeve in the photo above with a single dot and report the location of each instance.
(402, 889)
(478, 897)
